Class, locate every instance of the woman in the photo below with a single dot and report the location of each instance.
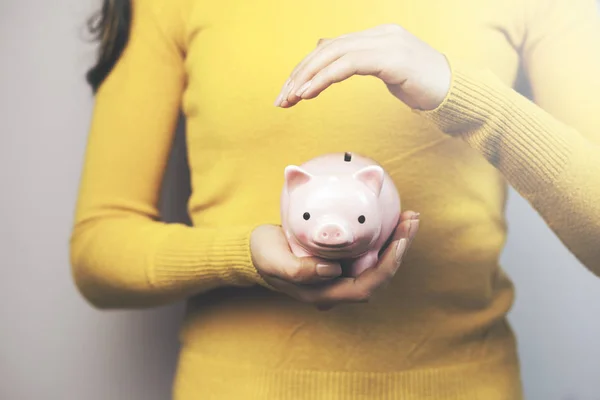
(449, 130)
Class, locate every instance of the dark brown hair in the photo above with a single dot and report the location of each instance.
(110, 27)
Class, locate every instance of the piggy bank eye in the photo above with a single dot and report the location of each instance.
(362, 219)
(306, 216)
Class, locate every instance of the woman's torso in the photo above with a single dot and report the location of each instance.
(446, 306)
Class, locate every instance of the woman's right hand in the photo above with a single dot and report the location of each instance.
(317, 281)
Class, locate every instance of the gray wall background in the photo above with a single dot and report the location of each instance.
(54, 346)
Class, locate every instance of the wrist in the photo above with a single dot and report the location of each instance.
(439, 81)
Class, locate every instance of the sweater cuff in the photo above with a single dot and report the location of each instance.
(525, 143)
(219, 257)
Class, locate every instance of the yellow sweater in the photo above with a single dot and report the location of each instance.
(439, 331)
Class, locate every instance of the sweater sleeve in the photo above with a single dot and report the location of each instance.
(122, 255)
(548, 149)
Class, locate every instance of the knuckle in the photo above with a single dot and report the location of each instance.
(324, 306)
(324, 77)
(294, 273)
(384, 285)
(319, 78)
(399, 43)
(345, 63)
(303, 297)
(393, 62)
(389, 273)
(336, 47)
(392, 28)
(310, 299)
(363, 295)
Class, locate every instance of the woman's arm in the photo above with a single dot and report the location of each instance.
(122, 255)
(550, 152)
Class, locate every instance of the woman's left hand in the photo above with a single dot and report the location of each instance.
(413, 71)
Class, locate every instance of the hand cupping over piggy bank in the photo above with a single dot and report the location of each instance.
(341, 207)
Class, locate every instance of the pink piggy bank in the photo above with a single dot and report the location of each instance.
(341, 207)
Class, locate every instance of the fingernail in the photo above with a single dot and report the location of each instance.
(303, 89)
(412, 230)
(329, 270)
(284, 91)
(400, 247)
(415, 216)
(278, 100)
(289, 86)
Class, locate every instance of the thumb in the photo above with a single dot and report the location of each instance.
(323, 41)
(279, 261)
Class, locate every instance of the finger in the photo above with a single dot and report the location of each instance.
(374, 31)
(291, 289)
(409, 215)
(361, 288)
(402, 227)
(348, 290)
(304, 293)
(355, 63)
(290, 85)
(322, 44)
(324, 56)
(301, 293)
(324, 307)
(408, 226)
(352, 41)
(303, 270)
(388, 28)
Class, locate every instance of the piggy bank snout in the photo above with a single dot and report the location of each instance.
(332, 235)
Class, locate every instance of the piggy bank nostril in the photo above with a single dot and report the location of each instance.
(331, 234)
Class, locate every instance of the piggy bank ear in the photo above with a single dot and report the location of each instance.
(372, 176)
(295, 176)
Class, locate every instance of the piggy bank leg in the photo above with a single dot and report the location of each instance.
(363, 263)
